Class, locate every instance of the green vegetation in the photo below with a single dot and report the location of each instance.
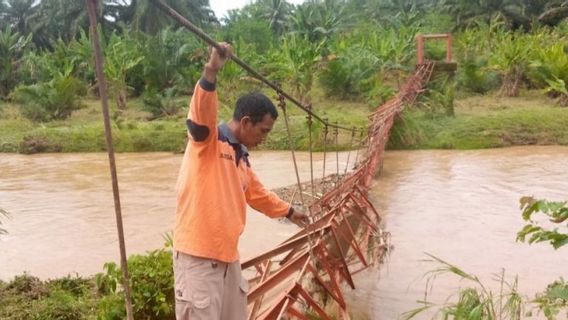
(3, 214)
(330, 54)
(99, 297)
(27, 297)
(476, 301)
(484, 122)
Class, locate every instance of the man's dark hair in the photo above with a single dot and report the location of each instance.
(255, 105)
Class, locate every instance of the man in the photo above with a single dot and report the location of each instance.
(215, 184)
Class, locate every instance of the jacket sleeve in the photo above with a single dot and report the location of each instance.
(202, 117)
(263, 200)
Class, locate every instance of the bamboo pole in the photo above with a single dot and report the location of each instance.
(99, 62)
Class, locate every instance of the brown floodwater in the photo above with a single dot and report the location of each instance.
(461, 206)
(62, 212)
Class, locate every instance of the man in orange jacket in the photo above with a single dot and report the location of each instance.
(215, 184)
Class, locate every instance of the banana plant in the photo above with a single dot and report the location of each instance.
(551, 67)
(296, 62)
(122, 54)
(12, 47)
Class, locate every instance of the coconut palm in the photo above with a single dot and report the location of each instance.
(277, 12)
(554, 12)
(317, 20)
(142, 15)
(470, 12)
(19, 14)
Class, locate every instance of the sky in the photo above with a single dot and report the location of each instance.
(220, 7)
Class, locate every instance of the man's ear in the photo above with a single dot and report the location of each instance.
(246, 120)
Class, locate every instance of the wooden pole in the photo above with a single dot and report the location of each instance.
(99, 62)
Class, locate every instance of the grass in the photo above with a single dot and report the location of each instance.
(486, 121)
(476, 301)
(27, 297)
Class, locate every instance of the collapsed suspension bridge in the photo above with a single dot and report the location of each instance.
(305, 274)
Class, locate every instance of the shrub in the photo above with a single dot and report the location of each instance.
(162, 104)
(52, 100)
(474, 76)
(152, 283)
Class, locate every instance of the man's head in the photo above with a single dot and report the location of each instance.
(254, 115)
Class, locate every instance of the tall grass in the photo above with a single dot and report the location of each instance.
(476, 301)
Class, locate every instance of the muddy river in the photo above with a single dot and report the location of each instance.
(461, 206)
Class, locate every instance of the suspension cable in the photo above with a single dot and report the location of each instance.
(282, 105)
(359, 145)
(350, 147)
(185, 23)
(310, 122)
(325, 131)
(311, 227)
(336, 133)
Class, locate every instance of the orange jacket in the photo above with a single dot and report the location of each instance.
(214, 185)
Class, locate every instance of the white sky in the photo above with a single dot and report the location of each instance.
(220, 7)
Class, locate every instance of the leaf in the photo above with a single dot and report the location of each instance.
(528, 229)
(560, 241)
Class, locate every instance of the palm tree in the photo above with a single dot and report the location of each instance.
(554, 12)
(18, 14)
(144, 16)
(318, 20)
(468, 12)
(277, 12)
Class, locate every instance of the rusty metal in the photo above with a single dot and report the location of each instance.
(420, 40)
(344, 238)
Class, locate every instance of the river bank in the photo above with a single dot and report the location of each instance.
(487, 121)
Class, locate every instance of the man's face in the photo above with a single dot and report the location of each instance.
(255, 134)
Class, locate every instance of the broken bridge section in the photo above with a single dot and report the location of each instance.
(304, 275)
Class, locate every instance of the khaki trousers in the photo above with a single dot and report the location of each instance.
(207, 289)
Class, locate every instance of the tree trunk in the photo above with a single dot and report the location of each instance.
(121, 100)
(563, 100)
(511, 84)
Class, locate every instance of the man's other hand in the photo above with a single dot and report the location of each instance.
(299, 218)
